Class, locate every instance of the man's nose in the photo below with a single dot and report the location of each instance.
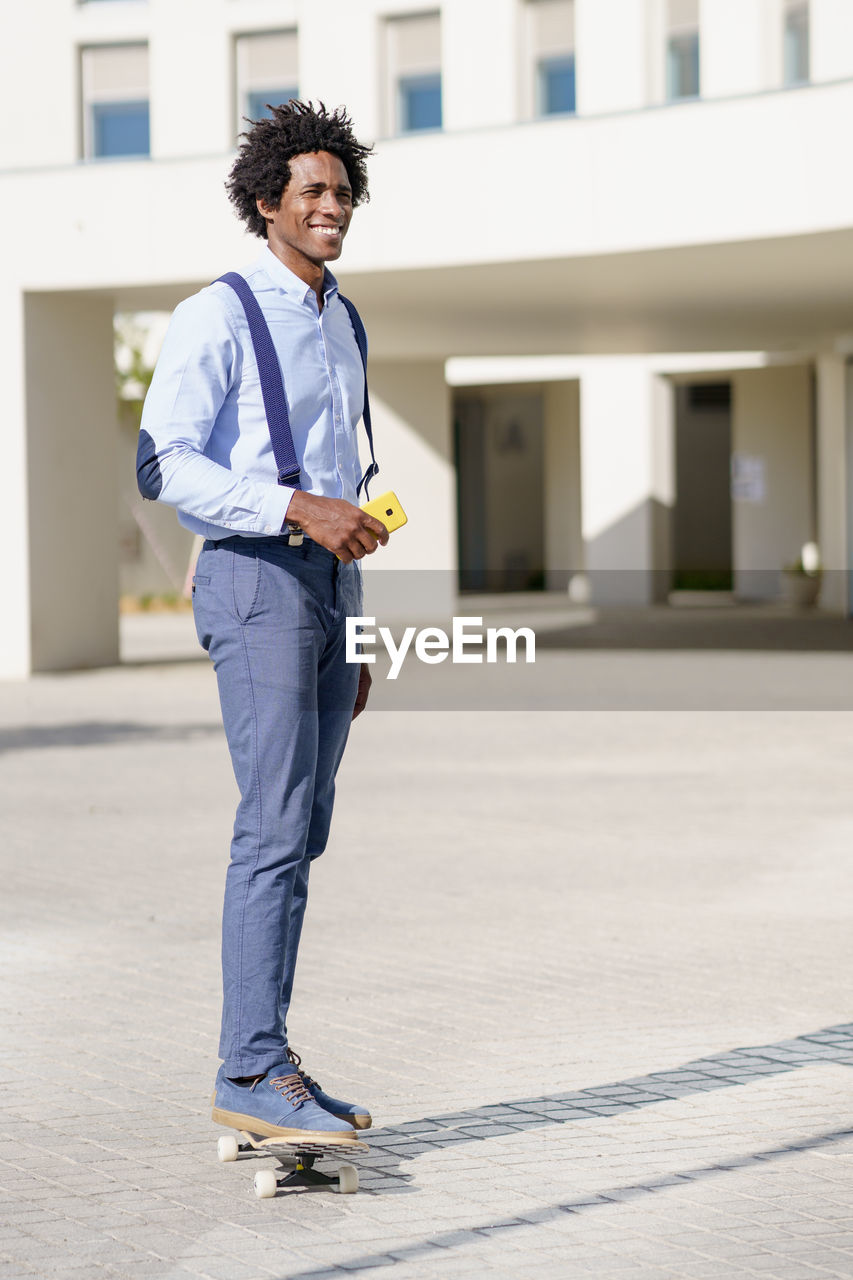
(331, 205)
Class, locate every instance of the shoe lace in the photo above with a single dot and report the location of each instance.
(292, 1088)
(295, 1059)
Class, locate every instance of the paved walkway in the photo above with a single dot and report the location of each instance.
(590, 968)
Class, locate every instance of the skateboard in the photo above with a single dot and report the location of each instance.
(304, 1154)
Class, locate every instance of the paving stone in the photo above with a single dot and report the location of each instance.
(577, 1078)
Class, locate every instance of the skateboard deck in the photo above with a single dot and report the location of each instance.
(303, 1154)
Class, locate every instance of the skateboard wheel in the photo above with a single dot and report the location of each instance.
(227, 1148)
(265, 1184)
(347, 1180)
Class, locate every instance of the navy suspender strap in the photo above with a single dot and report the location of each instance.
(272, 384)
(361, 339)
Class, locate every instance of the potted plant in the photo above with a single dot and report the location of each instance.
(801, 580)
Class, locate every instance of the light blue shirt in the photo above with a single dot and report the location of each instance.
(208, 439)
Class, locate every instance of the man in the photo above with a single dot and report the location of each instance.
(277, 575)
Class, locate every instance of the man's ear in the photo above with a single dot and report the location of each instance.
(266, 211)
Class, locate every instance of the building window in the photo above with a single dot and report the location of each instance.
(266, 72)
(682, 50)
(551, 42)
(114, 82)
(420, 102)
(413, 72)
(796, 44)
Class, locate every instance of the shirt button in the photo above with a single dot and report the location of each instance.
(268, 528)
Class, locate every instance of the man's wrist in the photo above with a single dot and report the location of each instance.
(299, 507)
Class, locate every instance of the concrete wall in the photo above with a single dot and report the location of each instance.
(628, 481)
(564, 552)
(191, 48)
(734, 39)
(415, 575)
(72, 438)
(832, 412)
(771, 417)
(501, 453)
(512, 478)
(15, 547)
(611, 75)
(831, 39)
(639, 172)
(154, 549)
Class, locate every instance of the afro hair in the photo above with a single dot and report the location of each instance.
(262, 168)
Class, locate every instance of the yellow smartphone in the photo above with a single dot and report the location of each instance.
(387, 509)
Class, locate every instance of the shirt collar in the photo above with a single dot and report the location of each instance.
(289, 283)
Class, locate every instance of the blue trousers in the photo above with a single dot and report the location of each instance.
(272, 617)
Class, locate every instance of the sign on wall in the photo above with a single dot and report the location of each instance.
(748, 478)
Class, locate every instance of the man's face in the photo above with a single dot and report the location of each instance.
(315, 211)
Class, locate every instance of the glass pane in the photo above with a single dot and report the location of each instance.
(120, 129)
(257, 99)
(420, 103)
(556, 87)
(797, 46)
(682, 66)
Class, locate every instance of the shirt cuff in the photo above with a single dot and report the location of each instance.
(274, 511)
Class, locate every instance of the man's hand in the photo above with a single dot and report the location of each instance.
(365, 680)
(337, 525)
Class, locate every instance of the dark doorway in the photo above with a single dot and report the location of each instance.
(703, 506)
(500, 469)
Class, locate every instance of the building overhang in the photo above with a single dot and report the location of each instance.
(709, 226)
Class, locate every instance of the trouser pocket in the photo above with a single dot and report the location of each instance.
(245, 582)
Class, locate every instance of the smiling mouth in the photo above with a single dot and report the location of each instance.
(331, 232)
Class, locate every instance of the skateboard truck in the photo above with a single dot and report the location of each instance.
(305, 1175)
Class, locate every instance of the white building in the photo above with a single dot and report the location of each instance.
(569, 201)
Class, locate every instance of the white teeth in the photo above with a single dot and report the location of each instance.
(328, 231)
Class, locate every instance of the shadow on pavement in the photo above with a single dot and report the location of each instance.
(583, 1204)
(98, 733)
(720, 1071)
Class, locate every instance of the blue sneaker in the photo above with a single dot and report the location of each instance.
(358, 1117)
(277, 1105)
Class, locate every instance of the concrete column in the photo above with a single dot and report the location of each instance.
(14, 547)
(627, 476)
(415, 575)
(832, 481)
(772, 516)
(72, 433)
(562, 484)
